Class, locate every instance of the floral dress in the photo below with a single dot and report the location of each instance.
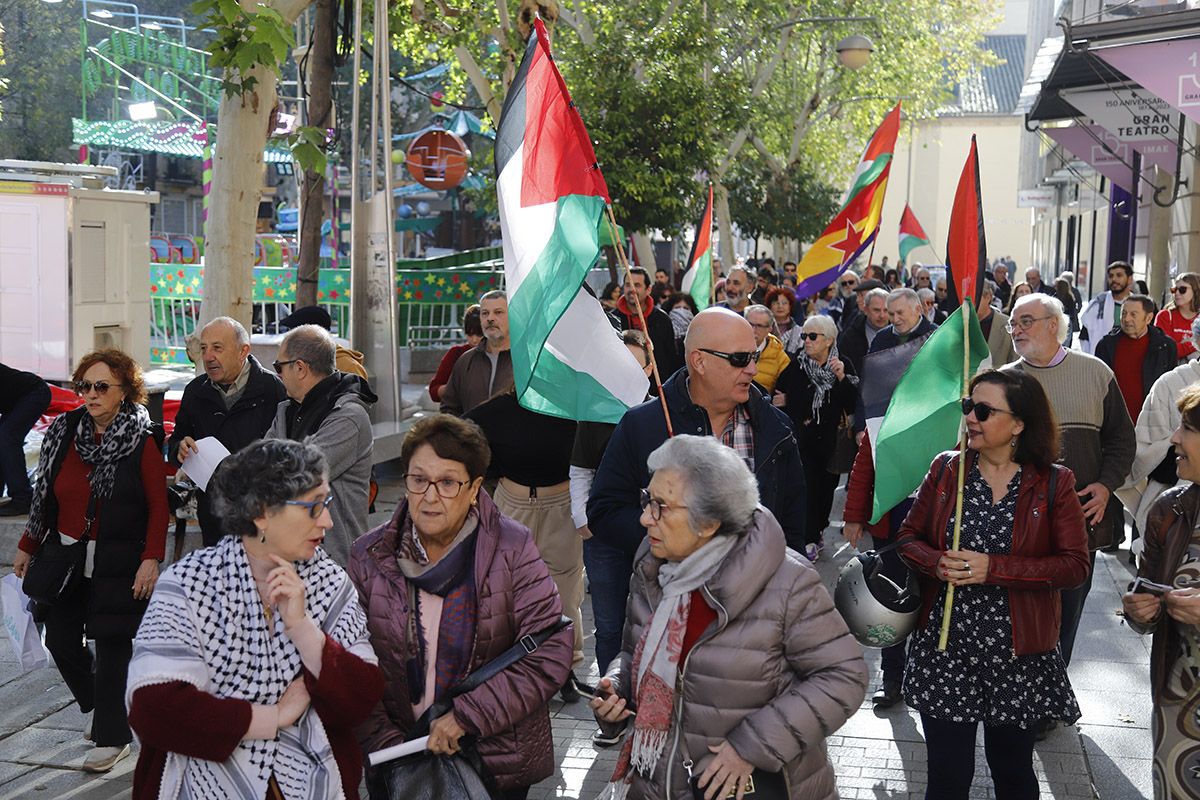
(1176, 721)
(979, 677)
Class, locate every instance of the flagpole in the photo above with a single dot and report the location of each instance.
(944, 639)
(612, 221)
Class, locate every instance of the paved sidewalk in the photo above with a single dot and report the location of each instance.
(877, 756)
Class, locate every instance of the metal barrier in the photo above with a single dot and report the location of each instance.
(430, 302)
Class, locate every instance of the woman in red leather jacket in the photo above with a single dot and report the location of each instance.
(1018, 548)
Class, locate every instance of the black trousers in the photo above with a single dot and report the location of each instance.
(821, 484)
(950, 747)
(1072, 612)
(97, 683)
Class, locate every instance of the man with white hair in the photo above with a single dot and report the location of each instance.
(233, 401)
(908, 321)
(1033, 277)
(994, 324)
(1097, 433)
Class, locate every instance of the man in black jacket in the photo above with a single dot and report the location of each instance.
(907, 313)
(1139, 353)
(661, 331)
(234, 400)
(712, 396)
(23, 398)
(856, 338)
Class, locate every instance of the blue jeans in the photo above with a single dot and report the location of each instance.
(608, 570)
(14, 426)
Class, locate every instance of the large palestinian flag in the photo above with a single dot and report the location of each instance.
(568, 361)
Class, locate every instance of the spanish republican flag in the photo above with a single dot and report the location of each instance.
(856, 225)
(567, 359)
(912, 235)
(698, 280)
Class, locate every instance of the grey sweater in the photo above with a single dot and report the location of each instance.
(346, 441)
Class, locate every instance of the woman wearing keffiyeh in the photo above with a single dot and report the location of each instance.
(100, 479)
(817, 390)
(735, 661)
(252, 666)
(449, 584)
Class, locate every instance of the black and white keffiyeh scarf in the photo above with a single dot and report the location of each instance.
(822, 378)
(119, 441)
(205, 626)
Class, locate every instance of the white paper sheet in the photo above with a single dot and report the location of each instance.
(398, 751)
(200, 465)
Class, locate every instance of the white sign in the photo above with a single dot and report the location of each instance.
(1036, 198)
(1130, 114)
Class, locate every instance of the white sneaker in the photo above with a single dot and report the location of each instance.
(87, 727)
(812, 551)
(102, 759)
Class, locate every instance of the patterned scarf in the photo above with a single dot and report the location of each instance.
(119, 441)
(205, 626)
(681, 318)
(821, 377)
(453, 579)
(656, 663)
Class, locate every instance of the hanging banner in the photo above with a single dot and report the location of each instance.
(1170, 70)
(1083, 145)
(1133, 116)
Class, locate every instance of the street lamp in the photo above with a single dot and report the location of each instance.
(854, 51)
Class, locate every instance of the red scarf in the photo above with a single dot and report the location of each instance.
(635, 322)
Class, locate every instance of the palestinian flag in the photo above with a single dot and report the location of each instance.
(567, 359)
(912, 235)
(855, 226)
(924, 412)
(698, 280)
(966, 246)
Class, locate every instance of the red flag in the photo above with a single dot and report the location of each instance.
(966, 246)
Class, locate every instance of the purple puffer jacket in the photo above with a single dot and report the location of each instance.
(510, 712)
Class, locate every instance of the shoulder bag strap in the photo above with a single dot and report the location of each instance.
(524, 646)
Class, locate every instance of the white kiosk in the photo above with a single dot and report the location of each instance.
(74, 266)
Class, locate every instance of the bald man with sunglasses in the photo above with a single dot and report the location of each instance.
(713, 395)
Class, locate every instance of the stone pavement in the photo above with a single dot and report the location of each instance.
(876, 755)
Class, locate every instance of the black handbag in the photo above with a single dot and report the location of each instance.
(841, 460)
(462, 776)
(761, 785)
(56, 570)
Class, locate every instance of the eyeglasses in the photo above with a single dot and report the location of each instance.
(812, 337)
(849, 283)
(315, 507)
(982, 410)
(101, 387)
(761, 326)
(1180, 289)
(448, 488)
(740, 359)
(657, 507)
(1024, 323)
(279, 365)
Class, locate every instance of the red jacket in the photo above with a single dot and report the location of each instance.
(1049, 552)
(860, 488)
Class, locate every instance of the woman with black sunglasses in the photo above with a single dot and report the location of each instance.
(100, 499)
(817, 390)
(257, 644)
(1022, 542)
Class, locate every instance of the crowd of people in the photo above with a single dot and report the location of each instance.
(299, 638)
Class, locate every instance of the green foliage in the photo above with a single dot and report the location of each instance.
(796, 205)
(308, 148)
(244, 40)
(39, 80)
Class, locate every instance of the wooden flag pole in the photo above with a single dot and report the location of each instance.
(944, 639)
(612, 221)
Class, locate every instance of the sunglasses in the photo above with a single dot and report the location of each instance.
(279, 365)
(849, 283)
(101, 387)
(982, 410)
(1180, 289)
(740, 359)
(812, 337)
(315, 507)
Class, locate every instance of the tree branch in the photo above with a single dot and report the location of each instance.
(483, 86)
(773, 163)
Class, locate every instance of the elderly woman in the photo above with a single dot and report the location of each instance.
(450, 584)
(1171, 610)
(782, 303)
(100, 480)
(1022, 542)
(772, 359)
(734, 659)
(817, 390)
(259, 643)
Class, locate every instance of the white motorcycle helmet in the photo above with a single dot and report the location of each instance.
(878, 611)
